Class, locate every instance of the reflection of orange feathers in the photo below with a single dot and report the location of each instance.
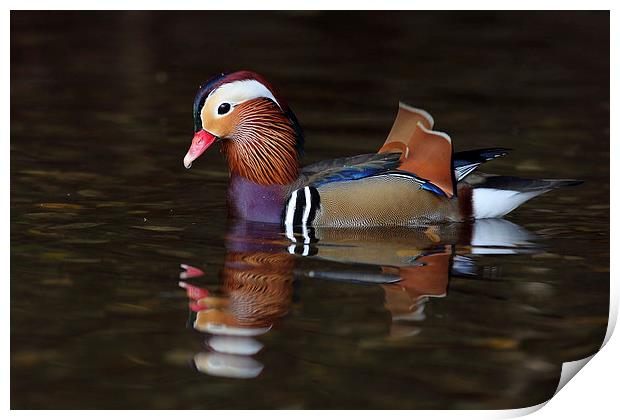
(259, 285)
(429, 279)
(424, 152)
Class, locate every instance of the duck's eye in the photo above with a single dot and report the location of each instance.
(223, 108)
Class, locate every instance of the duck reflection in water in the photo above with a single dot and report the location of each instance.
(259, 278)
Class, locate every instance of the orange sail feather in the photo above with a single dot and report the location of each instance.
(424, 152)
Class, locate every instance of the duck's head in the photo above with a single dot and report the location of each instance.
(259, 134)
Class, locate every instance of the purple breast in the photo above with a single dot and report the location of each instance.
(250, 201)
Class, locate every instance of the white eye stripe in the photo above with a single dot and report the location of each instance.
(244, 90)
(236, 93)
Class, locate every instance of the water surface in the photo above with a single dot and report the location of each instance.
(103, 214)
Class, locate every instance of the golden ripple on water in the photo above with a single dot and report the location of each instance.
(80, 225)
(529, 165)
(50, 216)
(112, 204)
(137, 360)
(55, 255)
(179, 357)
(39, 232)
(90, 193)
(86, 241)
(546, 256)
(497, 343)
(66, 176)
(32, 357)
(64, 281)
(61, 206)
(67, 257)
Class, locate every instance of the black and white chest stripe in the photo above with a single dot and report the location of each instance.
(300, 211)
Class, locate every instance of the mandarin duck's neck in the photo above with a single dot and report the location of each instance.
(251, 201)
(263, 153)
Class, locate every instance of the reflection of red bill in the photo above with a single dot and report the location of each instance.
(193, 292)
(190, 272)
(196, 306)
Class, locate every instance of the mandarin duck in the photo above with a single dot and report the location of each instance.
(413, 179)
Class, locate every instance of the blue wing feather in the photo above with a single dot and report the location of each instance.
(349, 169)
(358, 167)
(348, 174)
(427, 185)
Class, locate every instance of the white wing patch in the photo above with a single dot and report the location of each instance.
(499, 236)
(489, 202)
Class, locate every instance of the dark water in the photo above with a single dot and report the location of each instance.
(103, 214)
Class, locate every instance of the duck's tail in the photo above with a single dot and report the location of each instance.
(489, 196)
(428, 154)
